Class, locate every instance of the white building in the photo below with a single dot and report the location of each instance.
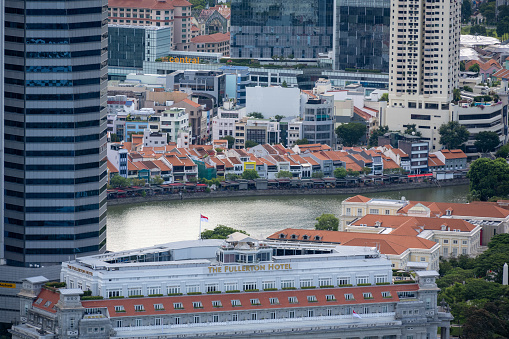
(154, 139)
(272, 101)
(224, 123)
(175, 121)
(424, 65)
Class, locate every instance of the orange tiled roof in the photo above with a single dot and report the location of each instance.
(473, 209)
(454, 154)
(191, 102)
(433, 161)
(357, 198)
(44, 297)
(152, 4)
(111, 167)
(211, 38)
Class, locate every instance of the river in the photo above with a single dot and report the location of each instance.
(147, 224)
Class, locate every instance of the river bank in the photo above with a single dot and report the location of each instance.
(284, 192)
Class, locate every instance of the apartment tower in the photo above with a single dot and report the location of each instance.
(55, 130)
(424, 64)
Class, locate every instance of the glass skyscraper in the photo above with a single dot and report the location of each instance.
(55, 85)
(267, 28)
(362, 34)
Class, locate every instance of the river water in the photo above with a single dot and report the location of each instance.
(147, 224)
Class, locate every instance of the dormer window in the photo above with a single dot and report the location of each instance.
(318, 238)
(448, 212)
(294, 236)
(305, 237)
(282, 236)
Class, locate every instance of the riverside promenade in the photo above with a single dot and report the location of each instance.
(218, 194)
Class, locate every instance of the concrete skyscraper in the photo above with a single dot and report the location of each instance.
(424, 64)
(55, 84)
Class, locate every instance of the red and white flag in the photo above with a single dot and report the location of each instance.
(204, 218)
(355, 315)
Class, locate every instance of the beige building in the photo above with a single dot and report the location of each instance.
(424, 65)
(173, 13)
(359, 206)
(213, 43)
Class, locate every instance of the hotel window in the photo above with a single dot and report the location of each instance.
(306, 283)
(249, 286)
(272, 315)
(235, 317)
(380, 278)
(114, 293)
(134, 291)
(387, 212)
(119, 323)
(311, 313)
(158, 307)
(446, 241)
(344, 281)
(178, 306)
(138, 322)
(230, 287)
(177, 320)
(255, 302)
(367, 295)
(215, 318)
(348, 296)
(325, 281)
(386, 294)
(359, 211)
(329, 312)
(139, 308)
(291, 314)
(366, 310)
(192, 289)
(348, 211)
(253, 316)
(196, 319)
(153, 290)
(236, 302)
(463, 251)
(464, 242)
(312, 298)
(363, 280)
(217, 303)
(119, 308)
(330, 297)
(197, 304)
(385, 309)
(158, 321)
(268, 285)
(292, 300)
(374, 211)
(274, 301)
(212, 288)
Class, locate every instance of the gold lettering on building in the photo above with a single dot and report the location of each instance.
(185, 60)
(7, 285)
(249, 268)
(80, 270)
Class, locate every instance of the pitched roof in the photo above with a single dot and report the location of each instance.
(473, 209)
(453, 154)
(46, 300)
(433, 161)
(357, 198)
(503, 73)
(190, 102)
(111, 167)
(211, 38)
(152, 4)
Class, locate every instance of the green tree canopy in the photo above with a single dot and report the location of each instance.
(366, 170)
(119, 181)
(327, 222)
(373, 138)
(486, 141)
(340, 173)
(231, 176)
(489, 178)
(350, 134)
(412, 130)
(157, 180)
(278, 117)
(250, 143)
(230, 139)
(453, 135)
(250, 174)
(466, 9)
(478, 29)
(256, 115)
(384, 97)
(302, 141)
(220, 232)
(284, 84)
(284, 174)
(474, 68)
(503, 151)
(318, 174)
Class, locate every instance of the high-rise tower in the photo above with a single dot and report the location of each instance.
(55, 84)
(424, 64)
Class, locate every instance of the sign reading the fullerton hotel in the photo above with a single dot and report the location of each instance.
(249, 268)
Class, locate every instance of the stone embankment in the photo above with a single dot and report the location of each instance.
(293, 191)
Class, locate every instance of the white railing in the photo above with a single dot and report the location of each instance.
(247, 322)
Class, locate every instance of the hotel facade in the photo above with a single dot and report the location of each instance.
(240, 287)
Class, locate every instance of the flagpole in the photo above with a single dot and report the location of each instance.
(199, 235)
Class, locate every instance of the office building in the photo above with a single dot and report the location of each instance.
(129, 46)
(318, 119)
(240, 287)
(424, 65)
(292, 29)
(361, 35)
(55, 138)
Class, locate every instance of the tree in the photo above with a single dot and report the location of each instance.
(456, 94)
(474, 68)
(486, 141)
(327, 222)
(220, 232)
(412, 130)
(384, 97)
(489, 178)
(278, 117)
(351, 173)
(366, 170)
(503, 151)
(284, 174)
(466, 10)
(462, 66)
(467, 89)
(478, 30)
(373, 138)
(256, 115)
(118, 181)
(250, 174)
(318, 174)
(488, 10)
(453, 135)
(157, 180)
(231, 176)
(138, 182)
(340, 173)
(231, 140)
(284, 84)
(350, 133)
(250, 143)
(302, 141)
(114, 137)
